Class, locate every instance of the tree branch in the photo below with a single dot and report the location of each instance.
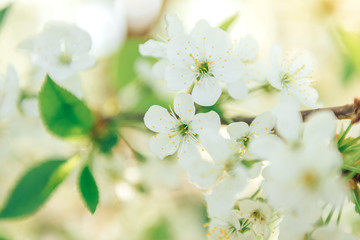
(348, 111)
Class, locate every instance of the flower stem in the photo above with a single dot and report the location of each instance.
(331, 213)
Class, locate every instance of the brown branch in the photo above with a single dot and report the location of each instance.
(348, 111)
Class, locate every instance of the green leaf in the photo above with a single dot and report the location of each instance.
(349, 44)
(88, 189)
(356, 200)
(63, 113)
(35, 187)
(160, 230)
(123, 63)
(226, 24)
(3, 13)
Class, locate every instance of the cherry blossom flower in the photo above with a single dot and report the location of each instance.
(259, 214)
(242, 134)
(61, 50)
(304, 171)
(231, 226)
(181, 129)
(202, 58)
(292, 75)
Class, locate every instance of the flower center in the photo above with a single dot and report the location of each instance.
(257, 216)
(244, 141)
(65, 59)
(203, 69)
(285, 79)
(184, 129)
(310, 180)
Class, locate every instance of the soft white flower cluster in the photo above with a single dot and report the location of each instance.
(207, 57)
(61, 50)
(300, 164)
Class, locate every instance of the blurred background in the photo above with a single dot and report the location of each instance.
(142, 197)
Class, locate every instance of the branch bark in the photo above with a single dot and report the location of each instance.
(348, 111)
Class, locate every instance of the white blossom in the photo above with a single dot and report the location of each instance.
(185, 133)
(303, 172)
(61, 50)
(259, 213)
(242, 134)
(202, 58)
(292, 75)
(230, 226)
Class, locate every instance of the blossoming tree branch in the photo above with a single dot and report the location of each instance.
(302, 163)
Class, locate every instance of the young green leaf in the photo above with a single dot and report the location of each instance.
(3, 13)
(88, 189)
(35, 187)
(63, 113)
(122, 67)
(226, 24)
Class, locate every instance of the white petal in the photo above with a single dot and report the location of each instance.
(267, 147)
(218, 147)
(163, 145)
(174, 26)
(238, 89)
(331, 232)
(180, 51)
(237, 130)
(203, 173)
(213, 42)
(275, 70)
(200, 28)
(301, 63)
(184, 106)
(306, 95)
(206, 91)
(320, 128)
(153, 48)
(188, 153)
(178, 78)
(263, 124)
(288, 119)
(255, 170)
(254, 72)
(247, 48)
(275, 56)
(76, 41)
(206, 122)
(228, 69)
(83, 62)
(158, 119)
(159, 68)
(223, 197)
(60, 72)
